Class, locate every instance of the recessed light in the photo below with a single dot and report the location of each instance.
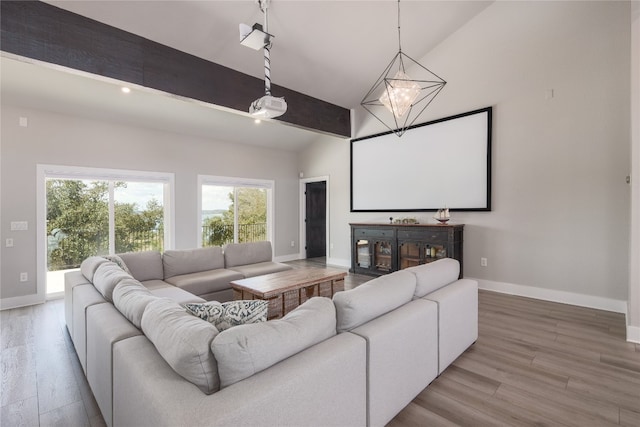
(257, 121)
(125, 89)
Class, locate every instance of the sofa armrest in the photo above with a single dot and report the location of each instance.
(324, 385)
(457, 319)
(402, 354)
(71, 280)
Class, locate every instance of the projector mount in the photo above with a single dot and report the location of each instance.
(258, 37)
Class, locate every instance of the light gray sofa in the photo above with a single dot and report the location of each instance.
(205, 272)
(356, 360)
(251, 259)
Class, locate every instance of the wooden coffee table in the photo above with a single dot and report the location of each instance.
(285, 290)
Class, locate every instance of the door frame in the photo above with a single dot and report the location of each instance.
(303, 213)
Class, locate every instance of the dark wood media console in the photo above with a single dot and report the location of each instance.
(378, 249)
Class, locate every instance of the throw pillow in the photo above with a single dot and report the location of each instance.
(118, 261)
(228, 314)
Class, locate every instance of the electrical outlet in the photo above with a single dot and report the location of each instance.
(483, 262)
(9, 243)
(293, 244)
(24, 277)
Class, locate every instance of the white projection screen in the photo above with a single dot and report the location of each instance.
(443, 163)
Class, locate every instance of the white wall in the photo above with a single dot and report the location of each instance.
(633, 318)
(559, 227)
(64, 140)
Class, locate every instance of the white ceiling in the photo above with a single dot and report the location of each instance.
(331, 50)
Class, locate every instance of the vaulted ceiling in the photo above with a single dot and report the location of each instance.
(329, 50)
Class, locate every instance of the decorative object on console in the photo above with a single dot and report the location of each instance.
(406, 221)
(442, 216)
(405, 97)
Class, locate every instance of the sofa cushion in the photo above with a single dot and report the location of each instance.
(434, 275)
(247, 253)
(144, 265)
(179, 262)
(90, 265)
(373, 298)
(155, 284)
(106, 277)
(131, 298)
(119, 262)
(184, 341)
(225, 315)
(260, 268)
(175, 294)
(205, 282)
(245, 350)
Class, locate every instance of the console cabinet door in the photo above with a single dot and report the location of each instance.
(374, 251)
(410, 253)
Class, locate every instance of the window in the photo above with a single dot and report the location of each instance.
(98, 212)
(234, 210)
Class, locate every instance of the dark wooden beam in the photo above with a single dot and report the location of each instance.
(40, 31)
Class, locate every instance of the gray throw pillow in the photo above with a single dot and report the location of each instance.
(228, 314)
(184, 342)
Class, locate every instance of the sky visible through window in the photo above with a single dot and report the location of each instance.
(215, 197)
(140, 193)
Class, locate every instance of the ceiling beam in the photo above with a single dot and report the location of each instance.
(43, 32)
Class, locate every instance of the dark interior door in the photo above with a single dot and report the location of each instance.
(316, 220)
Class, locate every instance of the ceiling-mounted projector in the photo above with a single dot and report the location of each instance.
(268, 107)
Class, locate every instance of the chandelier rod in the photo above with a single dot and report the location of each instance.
(399, 44)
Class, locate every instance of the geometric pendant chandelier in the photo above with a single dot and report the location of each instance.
(396, 99)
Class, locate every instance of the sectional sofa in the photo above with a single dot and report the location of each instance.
(354, 360)
(204, 272)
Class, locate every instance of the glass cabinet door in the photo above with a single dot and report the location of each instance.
(434, 252)
(363, 254)
(409, 254)
(382, 256)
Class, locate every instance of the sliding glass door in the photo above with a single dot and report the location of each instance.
(100, 213)
(234, 210)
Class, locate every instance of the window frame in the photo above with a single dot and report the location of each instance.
(45, 172)
(226, 181)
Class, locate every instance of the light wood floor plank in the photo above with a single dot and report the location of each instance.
(69, 415)
(415, 415)
(562, 410)
(545, 363)
(629, 418)
(23, 413)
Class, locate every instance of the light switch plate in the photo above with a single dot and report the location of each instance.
(19, 225)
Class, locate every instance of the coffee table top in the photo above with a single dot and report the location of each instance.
(271, 285)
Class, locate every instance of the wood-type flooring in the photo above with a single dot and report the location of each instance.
(535, 363)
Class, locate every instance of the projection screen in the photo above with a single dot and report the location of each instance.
(442, 163)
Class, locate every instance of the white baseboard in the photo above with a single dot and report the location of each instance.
(285, 258)
(23, 301)
(581, 300)
(633, 334)
(338, 262)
